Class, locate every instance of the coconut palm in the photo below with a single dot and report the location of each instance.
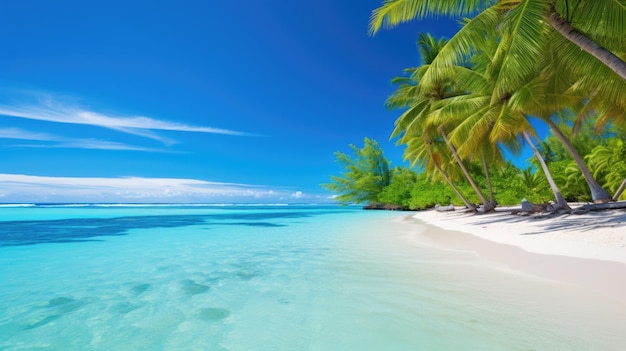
(415, 122)
(430, 154)
(485, 124)
(560, 201)
(517, 36)
(477, 125)
(557, 93)
(598, 194)
(527, 29)
(595, 27)
(482, 124)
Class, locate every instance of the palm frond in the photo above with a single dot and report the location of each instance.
(394, 12)
(604, 90)
(604, 21)
(463, 44)
(523, 32)
(508, 125)
(471, 132)
(429, 47)
(457, 108)
(408, 122)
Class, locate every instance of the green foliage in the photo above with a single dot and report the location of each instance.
(533, 39)
(604, 154)
(531, 180)
(366, 174)
(398, 192)
(516, 184)
(534, 185)
(583, 140)
(571, 183)
(426, 194)
(511, 184)
(367, 177)
(508, 61)
(608, 163)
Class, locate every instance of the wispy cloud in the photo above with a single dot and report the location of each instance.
(20, 134)
(49, 110)
(56, 141)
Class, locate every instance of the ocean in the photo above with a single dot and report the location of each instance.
(281, 277)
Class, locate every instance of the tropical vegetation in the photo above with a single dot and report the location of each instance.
(411, 188)
(477, 96)
(366, 174)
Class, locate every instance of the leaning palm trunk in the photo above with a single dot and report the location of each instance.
(598, 195)
(620, 190)
(570, 33)
(492, 199)
(486, 204)
(560, 201)
(469, 205)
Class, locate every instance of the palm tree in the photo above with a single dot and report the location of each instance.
(526, 31)
(476, 123)
(484, 123)
(415, 121)
(517, 37)
(429, 154)
(591, 11)
(560, 201)
(598, 194)
(488, 205)
(595, 27)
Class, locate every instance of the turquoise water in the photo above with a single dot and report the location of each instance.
(271, 278)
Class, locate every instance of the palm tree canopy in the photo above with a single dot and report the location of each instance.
(524, 36)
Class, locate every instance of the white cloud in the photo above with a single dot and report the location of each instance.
(55, 141)
(49, 110)
(28, 188)
(102, 145)
(15, 133)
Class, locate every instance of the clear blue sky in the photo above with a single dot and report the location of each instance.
(192, 101)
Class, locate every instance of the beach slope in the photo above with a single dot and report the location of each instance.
(588, 250)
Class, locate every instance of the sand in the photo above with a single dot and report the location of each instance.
(587, 250)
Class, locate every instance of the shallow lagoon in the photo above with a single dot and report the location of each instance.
(271, 278)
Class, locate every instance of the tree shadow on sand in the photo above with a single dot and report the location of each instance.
(549, 222)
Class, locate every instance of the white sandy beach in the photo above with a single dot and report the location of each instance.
(588, 250)
(595, 235)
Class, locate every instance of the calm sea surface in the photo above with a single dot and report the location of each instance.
(271, 278)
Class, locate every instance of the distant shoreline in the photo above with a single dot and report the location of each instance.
(154, 204)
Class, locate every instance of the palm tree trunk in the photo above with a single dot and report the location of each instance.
(560, 201)
(486, 204)
(598, 195)
(469, 205)
(570, 33)
(492, 199)
(619, 191)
